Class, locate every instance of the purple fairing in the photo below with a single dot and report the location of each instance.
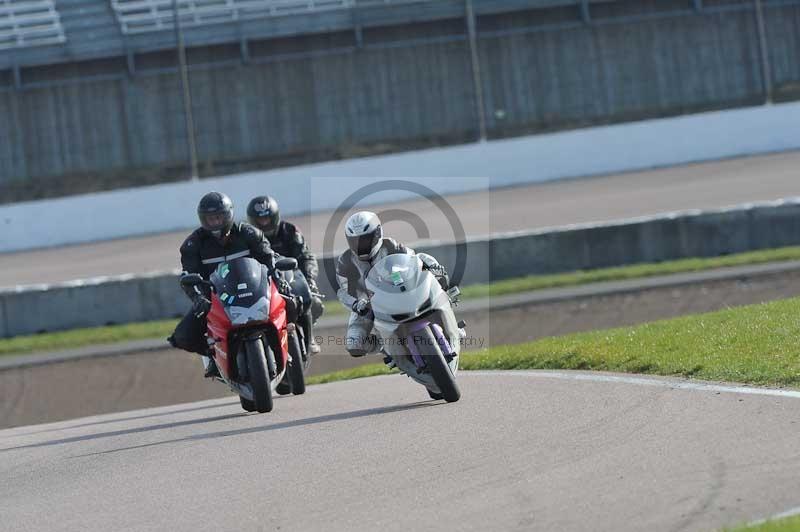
(444, 345)
(418, 326)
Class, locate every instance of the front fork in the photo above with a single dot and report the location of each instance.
(438, 333)
(241, 361)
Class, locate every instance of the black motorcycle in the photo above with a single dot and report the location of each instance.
(299, 316)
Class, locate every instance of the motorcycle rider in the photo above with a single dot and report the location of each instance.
(366, 246)
(217, 240)
(287, 240)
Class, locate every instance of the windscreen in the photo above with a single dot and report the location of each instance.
(241, 282)
(396, 273)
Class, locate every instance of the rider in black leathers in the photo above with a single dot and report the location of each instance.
(218, 240)
(287, 240)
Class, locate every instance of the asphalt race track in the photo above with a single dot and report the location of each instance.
(707, 185)
(144, 379)
(520, 451)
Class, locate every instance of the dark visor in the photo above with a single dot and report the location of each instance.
(265, 223)
(215, 220)
(363, 244)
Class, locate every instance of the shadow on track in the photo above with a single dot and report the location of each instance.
(137, 430)
(121, 419)
(277, 426)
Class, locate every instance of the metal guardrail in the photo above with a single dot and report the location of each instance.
(25, 23)
(141, 16)
(658, 238)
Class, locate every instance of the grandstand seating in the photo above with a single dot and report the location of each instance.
(139, 16)
(25, 23)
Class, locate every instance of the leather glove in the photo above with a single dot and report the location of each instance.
(312, 286)
(361, 307)
(436, 269)
(200, 306)
(440, 273)
(284, 287)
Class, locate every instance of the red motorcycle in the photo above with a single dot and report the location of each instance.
(255, 342)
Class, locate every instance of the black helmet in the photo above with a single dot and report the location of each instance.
(263, 212)
(216, 214)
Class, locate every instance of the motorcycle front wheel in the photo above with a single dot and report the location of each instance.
(259, 375)
(428, 347)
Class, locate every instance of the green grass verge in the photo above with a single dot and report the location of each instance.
(161, 329)
(790, 524)
(82, 337)
(539, 282)
(757, 344)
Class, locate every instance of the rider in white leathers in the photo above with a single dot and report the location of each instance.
(367, 246)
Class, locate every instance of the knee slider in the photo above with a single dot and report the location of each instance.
(356, 352)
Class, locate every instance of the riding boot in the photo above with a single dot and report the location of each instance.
(212, 371)
(308, 326)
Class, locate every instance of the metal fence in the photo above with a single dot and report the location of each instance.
(25, 23)
(140, 16)
(347, 82)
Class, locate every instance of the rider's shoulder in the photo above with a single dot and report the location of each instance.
(248, 231)
(194, 240)
(288, 229)
(345, 259)
(393, 246)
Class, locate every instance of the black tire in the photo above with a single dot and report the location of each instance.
(296, 367)
(247, 404)
(283, 387)
(307, 330)
(259, 376)
(434, 360)
(435, 396)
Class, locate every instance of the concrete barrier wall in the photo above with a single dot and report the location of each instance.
(305, 189)
(581, 247)
(106, 109)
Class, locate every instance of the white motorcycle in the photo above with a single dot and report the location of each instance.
(415, 319)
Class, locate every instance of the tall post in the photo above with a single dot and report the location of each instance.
(17, 76)
(187, 92)
(766, 70)
(477, 79)
(586, 12)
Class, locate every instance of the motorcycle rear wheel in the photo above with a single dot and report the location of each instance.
(259, 375)
(428, 347)
(247, 404)
(296, 366)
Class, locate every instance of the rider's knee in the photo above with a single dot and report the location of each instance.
(360, 345)
(178, 341)
(356, 352)
(317, 308)
(188, 342)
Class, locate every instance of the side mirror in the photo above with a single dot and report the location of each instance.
(286, 264)
(454, 293)
(192, 279)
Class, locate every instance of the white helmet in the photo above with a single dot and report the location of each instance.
(364, 234)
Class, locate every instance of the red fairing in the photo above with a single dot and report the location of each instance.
(277, 315)
(218, 327)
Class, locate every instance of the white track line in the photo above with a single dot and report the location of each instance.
(663, 383)
(783, 515)
(645, 381)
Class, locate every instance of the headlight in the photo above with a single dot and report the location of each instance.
(425, 306)
(259, 311)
